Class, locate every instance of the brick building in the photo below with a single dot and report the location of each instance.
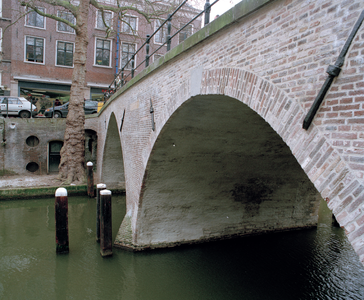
(37, 52)
(5, 47)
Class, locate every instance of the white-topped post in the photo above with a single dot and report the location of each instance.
(90, 180)
(105, 223)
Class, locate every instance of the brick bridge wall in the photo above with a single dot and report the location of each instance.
(271, 56)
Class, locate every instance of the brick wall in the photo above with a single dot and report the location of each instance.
(274, 61)
(96, 75)
(18, 153)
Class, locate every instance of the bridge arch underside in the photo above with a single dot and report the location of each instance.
(218, 170)
(112, 162)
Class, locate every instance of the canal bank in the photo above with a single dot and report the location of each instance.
(40, 186)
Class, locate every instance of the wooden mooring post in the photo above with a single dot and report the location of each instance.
(61, 216)
(90, 180)
(105, 223)
(99, 188)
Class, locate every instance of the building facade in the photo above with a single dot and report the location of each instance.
(5, 47)
(37, 52)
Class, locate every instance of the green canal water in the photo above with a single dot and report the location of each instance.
(308, 264)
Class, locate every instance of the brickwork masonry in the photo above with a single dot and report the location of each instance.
(273, 59)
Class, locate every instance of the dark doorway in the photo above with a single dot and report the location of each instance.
(54, 157)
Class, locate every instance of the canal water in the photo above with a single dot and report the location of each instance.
(307, 264)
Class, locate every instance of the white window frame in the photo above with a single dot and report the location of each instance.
(1, 38)
(180, 26)
(136, 25)
(112, 2)
(56, 54)
(121, 54)
(31, 26)
(110, 57)
(1, 8)
(25, 50)
(97, 17)
(157, 54)
(57, 23)
(156, 26)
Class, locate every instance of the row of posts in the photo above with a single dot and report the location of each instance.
(103, 216)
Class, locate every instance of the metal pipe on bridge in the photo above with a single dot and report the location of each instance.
(333, 71)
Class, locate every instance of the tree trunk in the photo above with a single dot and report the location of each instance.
(72, 165)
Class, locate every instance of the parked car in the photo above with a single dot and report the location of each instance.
(62, 110)
(17, 106)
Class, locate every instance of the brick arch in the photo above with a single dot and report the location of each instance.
(324, 166)
(329, 171)
(218, 170)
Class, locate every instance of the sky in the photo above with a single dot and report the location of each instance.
(222, 6)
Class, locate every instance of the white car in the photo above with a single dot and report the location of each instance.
(17, 106)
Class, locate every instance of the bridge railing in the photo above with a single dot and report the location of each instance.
(126, 74)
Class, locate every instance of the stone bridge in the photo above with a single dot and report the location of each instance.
(223, 153)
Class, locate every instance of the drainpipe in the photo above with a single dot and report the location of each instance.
(333, 71)
(117, 50)
(3, 142)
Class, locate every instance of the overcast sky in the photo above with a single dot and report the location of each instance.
(222, 6)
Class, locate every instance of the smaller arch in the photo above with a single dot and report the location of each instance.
(112, 161)
(91, 146)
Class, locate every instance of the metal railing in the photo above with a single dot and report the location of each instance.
(121, 77)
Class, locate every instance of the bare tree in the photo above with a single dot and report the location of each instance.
(72, 165)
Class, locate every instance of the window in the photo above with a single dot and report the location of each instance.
(35, 20)
(34, 49)
(127, 51)
(113, 2)
(161, 35)
(90, 103)
(62, 26)
(103, 49)
(157, 56)
(129, 24)
(107, 18)
(1, 38)
(185, 32)
(64, 54)
(9, 100)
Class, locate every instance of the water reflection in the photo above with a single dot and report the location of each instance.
(310, 264)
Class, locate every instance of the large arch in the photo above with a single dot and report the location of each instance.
(158, 218)
(218, 170)
(257, 55)
(112, 160)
